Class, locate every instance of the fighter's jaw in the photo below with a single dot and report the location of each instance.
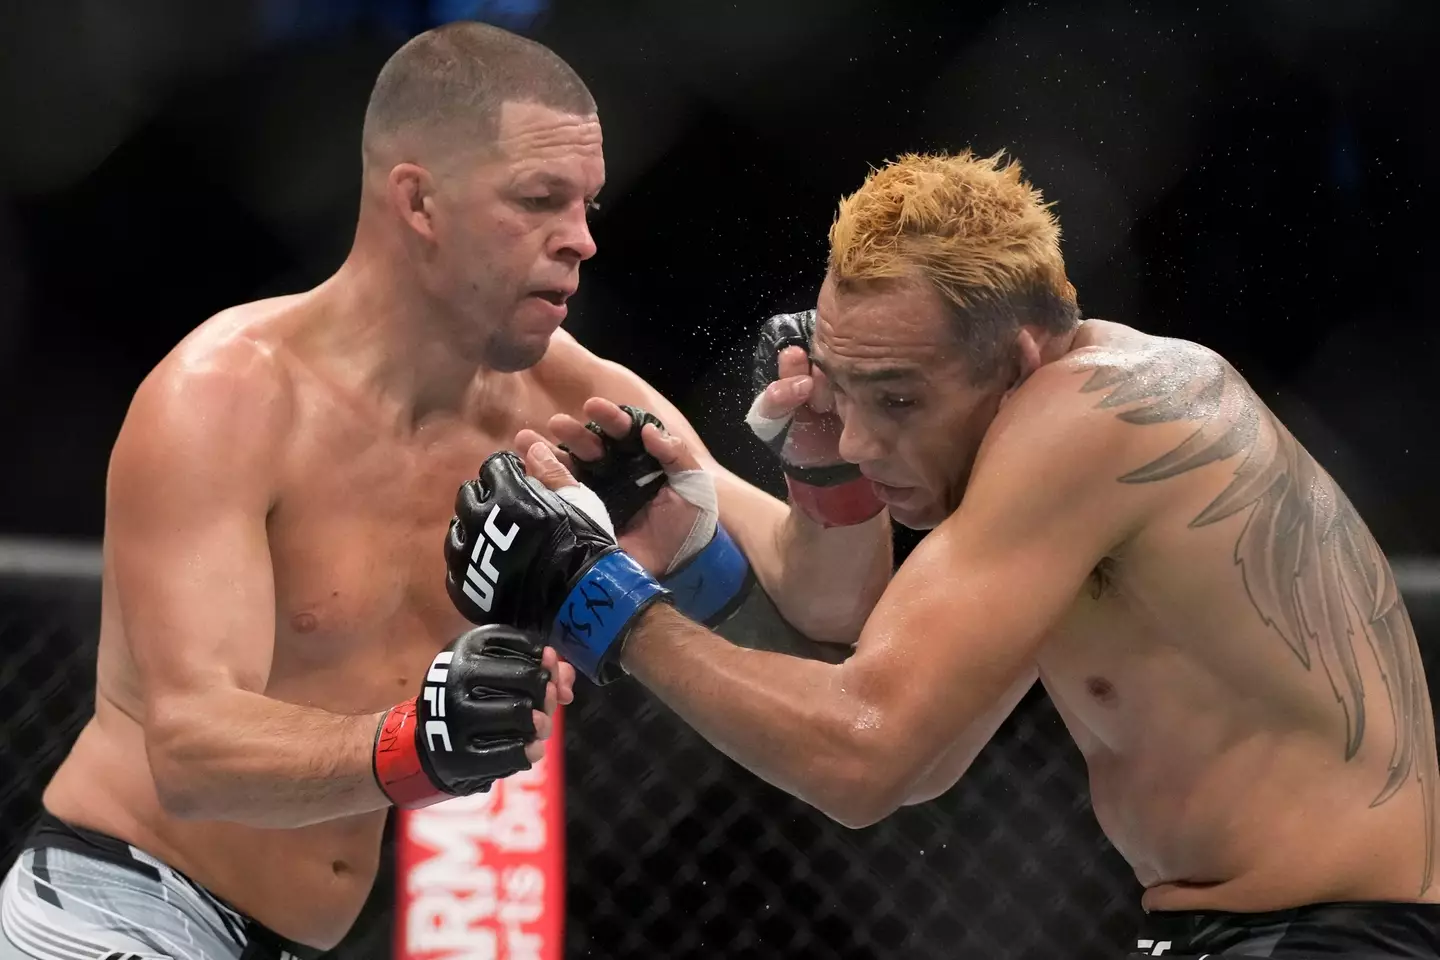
(929, 512)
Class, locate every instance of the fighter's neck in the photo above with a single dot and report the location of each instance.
(1081, 336)
(382, 345)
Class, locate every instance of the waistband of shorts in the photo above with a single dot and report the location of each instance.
(1372, 928)
(1373, 907)
(51, 832)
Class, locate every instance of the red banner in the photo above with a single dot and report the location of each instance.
(483, 877)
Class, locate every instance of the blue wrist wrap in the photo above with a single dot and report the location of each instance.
(713, 583)
(598, 612)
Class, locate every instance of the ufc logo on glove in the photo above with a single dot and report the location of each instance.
(481, 576)
(435, 699)
(581, 593)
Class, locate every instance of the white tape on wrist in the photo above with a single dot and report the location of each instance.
(695, 487)
(766, 428)
(588, 502)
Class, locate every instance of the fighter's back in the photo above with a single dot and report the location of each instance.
(1240, 672)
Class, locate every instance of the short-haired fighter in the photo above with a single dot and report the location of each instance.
(278, 661)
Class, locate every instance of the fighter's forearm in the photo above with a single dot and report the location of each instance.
(788, 720)
(243, 757)
(831, 577)
(952, 764)
(824, 581)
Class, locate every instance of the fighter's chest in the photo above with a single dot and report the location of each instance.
(358, 554)
(1094, 661)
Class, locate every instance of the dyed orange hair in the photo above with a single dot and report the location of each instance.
(973, 229)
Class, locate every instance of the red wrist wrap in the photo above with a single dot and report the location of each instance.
(397, 761)
(842, 505)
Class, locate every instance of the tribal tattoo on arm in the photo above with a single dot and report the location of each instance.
(1312, 570)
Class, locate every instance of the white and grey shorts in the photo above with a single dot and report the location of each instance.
(75, 894)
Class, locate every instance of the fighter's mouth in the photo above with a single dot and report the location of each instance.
(557, 297)
(881, 483)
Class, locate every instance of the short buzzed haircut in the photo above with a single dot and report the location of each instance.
(442, 90)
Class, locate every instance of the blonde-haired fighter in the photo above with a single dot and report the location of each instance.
(1123, 515)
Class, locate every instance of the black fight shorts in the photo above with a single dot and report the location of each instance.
(1322, 931)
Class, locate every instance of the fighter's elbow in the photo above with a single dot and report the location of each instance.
(176, 792)
(863, 806)
(871, 784)
(170, 749)
(181, 803)
(857, 817)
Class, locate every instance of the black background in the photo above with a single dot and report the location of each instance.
(1248, 175)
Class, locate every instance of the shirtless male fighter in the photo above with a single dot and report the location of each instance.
(1117, 512)
(274, 582)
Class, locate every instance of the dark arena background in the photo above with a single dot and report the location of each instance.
(1251, 175)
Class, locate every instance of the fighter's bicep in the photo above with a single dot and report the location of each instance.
(190, 485)
(963, 618)
(197, 601)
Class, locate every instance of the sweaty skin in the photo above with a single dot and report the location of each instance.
(1245, 685)
(278, 500)
(1220, 632)
(350, 516)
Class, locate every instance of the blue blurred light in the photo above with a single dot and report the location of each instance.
(287, 20)
(517, 15)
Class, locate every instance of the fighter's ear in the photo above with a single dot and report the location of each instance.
(1027, 358)
(410, 188)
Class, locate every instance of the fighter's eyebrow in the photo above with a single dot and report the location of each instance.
(547, 179)
(869, 374)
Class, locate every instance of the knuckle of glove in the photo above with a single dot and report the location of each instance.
(470, 499)
(503, 653)
(500, 471)
(519, 678)
(512, 641)
(456, 539)
(780, 331)
(632, 443)
(624, 463)
(492, 700)
(492, 720)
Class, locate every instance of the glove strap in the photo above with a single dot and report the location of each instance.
(595, 618)
(712, 584)
(837, 505)
(397, 764)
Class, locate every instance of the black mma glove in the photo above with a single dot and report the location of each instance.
(822, 484)
(711, 582)
(626, 477)
(521, 554)
(471, 722)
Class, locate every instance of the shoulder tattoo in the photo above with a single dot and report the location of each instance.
(1310, 566)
